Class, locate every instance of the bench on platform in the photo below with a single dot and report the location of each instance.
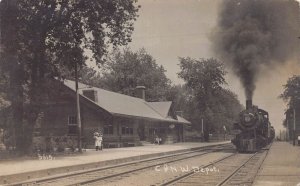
(111, 145)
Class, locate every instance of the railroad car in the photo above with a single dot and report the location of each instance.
(255, 130)
(272, 134)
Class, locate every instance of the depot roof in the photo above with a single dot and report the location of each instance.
(117, 103)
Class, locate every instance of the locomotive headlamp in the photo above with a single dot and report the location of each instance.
(247, 118)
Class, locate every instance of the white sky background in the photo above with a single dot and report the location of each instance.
(169, 29)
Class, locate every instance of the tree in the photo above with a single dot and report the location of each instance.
(179, 94)
(204, 77)
(88, 75)
(285, 123)
(223, 109)
(11, 70)
(127, 69)
(291, 93)
(40, 38)
(226, 108)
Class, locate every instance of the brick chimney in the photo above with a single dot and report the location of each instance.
(91, 94)
(140, 92)
(179, 113)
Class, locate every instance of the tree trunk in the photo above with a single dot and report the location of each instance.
(15, 69)
(17, 99)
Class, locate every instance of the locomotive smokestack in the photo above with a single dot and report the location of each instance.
(248, 104)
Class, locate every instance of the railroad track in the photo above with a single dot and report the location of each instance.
(94, 176)
(235, 169)
(246, 173)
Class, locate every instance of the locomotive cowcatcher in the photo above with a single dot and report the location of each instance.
(255, 130)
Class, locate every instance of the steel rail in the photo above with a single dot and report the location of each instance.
(236, 170)
(82, 172)
(193, 172)
(252, 181)
(177, 179)
(138, 169)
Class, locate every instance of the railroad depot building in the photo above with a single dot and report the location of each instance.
(123, 120)
(293, 123)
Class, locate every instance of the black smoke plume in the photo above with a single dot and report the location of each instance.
(252, 35)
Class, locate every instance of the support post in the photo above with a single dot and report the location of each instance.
(279, 135)
(202, 130)
(294, 131)
(287, 129)
(78, 110)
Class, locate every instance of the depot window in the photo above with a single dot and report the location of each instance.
(127, 130)
(108, 129)
(72, 125)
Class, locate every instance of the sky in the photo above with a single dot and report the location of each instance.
(169, 29)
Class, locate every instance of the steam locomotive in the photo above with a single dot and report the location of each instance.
(255, 130)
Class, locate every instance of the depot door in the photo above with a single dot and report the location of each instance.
(141, 132)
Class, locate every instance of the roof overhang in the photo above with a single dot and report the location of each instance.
(169, 121)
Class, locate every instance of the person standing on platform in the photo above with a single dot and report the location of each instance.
(158, 140)
(98, 140)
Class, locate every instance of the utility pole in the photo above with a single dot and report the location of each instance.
(224, 128)
(287, 129)
(78, 109)
(294, 131)
(202, 131)
(280, 135)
